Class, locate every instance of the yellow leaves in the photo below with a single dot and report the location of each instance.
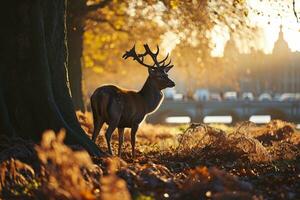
(100, 57)
(102, 46)
(109, 14)
(87, 195)
(110, 62)
(112, 187)
(53, 149)
(174, 4)
(88, 62)
(62, 168)
(63, 174)
(119, 23)
(239, 1)
(98, 70)
(203, 171)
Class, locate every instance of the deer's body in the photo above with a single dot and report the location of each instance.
(131, 107)
(121, 108)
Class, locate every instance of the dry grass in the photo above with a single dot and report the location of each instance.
(194, 161)
(245, 141)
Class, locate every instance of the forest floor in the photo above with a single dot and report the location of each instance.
(195, 161)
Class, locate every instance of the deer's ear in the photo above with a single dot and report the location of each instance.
(151, 71)
(166, 69)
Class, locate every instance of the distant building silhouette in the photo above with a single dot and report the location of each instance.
(258, 72)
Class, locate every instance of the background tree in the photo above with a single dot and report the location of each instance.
(77, 11)
(110, 27)
(33, 73)
(180, 27)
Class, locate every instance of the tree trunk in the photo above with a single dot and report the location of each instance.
(34, 95)
(75, 42)
(77, 11)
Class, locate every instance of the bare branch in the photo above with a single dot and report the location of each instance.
(96, 6)
(111, 24)
(294, 9)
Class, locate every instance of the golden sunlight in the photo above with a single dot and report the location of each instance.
(269, 17)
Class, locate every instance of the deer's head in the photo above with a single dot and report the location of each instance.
(158, 71)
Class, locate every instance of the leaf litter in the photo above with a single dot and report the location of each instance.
(195, 161)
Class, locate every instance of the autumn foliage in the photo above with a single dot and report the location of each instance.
(184, 162)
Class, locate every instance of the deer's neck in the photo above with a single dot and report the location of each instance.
(151, 94)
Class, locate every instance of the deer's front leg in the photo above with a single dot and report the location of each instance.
(134, 129)
(121, 139)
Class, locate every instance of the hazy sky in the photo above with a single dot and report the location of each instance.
(273, 13)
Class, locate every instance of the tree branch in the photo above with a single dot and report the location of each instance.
(115, 28)
(111, 24)
(95, 7)
(294, 9)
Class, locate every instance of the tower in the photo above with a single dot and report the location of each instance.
(283, 66)
(281, 47)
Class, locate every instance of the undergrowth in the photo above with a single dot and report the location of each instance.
(195, 161)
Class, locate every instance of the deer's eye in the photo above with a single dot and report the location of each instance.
(164, 76)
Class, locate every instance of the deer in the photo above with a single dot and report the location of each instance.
(121, 108)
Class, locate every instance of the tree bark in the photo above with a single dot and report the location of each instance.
(77, 11)
(34, 95)
(75, 18)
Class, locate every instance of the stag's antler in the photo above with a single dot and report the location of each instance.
(137, 57)
(140, 57)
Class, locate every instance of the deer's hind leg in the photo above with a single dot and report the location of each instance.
(121, 139)
(108, 134)
(97, 127)
(114, 118)
(97, 118)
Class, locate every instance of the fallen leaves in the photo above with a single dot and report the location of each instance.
(202, 162)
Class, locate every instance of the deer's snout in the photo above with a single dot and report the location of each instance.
(171, 83)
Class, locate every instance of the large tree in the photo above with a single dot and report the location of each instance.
(34, 93)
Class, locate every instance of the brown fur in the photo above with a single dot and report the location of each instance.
(121, 108)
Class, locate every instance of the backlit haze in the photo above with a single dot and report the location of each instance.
(195, 42)
(268, 16)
